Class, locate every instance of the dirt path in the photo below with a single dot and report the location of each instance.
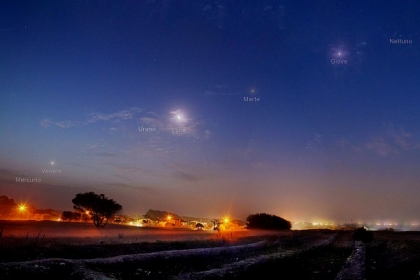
(355, 266)
(246, 263)
(184, 264)
(85, 268)
(286, 250)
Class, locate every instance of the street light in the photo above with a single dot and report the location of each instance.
(22, 208)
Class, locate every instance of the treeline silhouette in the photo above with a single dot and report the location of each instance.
(267, 221)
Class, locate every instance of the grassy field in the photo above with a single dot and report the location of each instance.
(394, 255)
(120, 252)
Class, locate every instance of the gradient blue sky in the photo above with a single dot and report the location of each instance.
(325, 141)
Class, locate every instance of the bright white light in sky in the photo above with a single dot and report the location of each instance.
(52, 162)
(339, 51)
(178, 116)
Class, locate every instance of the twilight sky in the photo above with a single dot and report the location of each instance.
(145, 101)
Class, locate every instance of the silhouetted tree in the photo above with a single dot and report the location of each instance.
(100, 207)
(66, 216)
(266, 221)
(70, 216)
(7, 206)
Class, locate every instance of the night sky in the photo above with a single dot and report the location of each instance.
(309, 110)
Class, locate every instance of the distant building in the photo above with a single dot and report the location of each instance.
(46, 215)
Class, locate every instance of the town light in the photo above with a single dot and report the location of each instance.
(169, 217)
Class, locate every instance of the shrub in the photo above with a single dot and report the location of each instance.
(266, 221)
(362, 234)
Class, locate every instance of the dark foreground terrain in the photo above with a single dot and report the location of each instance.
(312, 254)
